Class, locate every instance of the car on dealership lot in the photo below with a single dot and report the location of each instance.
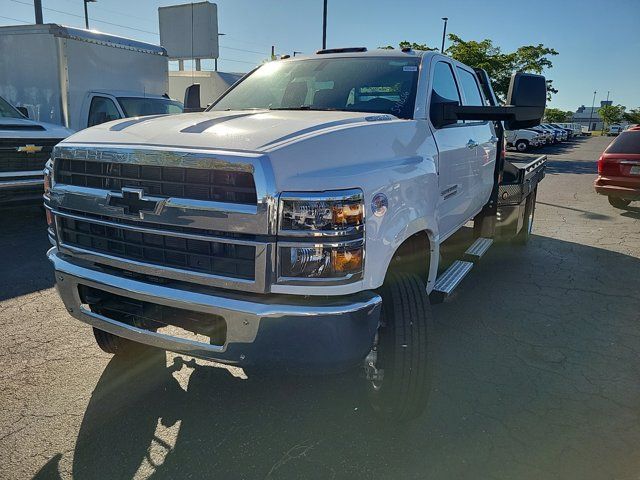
(561, 133)
(297, 224)
(614, 130)
(549, 135)
(619, 169)
(523, 139)
(25, 147)
(565, 128)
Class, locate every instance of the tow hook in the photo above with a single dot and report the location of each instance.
(373, 373)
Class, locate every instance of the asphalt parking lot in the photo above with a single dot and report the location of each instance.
(536, 373)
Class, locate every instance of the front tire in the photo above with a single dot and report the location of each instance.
(397, 368)
(110, 343)
(522, 145)
(618, 202)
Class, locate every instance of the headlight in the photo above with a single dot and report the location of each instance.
(322, 214)
(342, 261)
(321, 237)
(48, 169)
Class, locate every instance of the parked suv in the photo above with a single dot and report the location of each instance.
(619, 170)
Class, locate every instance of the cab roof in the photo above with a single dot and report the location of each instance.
(364, 52)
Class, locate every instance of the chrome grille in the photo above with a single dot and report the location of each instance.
(196, 255)
(190, 183)
(13, 161)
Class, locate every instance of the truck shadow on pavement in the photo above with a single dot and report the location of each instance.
(23, 243)
(535, 376)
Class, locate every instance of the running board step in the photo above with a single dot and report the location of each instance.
(478, 249)
(449, 280)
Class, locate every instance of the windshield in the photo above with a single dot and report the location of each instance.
(7, 111)
(141, 106)
(376, 85)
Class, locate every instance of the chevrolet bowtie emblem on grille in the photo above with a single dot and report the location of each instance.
(133, 202)
(30, 149)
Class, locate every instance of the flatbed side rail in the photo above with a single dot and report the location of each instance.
(523, 181)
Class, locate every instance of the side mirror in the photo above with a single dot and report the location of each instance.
(528, 94)
(527, 99)
(192, 98)
(23, 111)
(437, 110)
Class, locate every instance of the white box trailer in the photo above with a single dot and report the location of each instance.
(54, 71)
(212, 84)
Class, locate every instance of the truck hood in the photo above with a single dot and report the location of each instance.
(25, 128)
(240, 130)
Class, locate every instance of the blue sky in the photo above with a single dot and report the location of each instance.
(598, 40)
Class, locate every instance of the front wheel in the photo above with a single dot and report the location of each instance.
(397, 367)
(110, 343)
(618, 202)
(522, 145)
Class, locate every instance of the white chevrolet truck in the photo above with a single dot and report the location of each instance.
(523, 139)
(298, 222)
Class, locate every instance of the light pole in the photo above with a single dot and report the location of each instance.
(592, 106)
(324, 25)
(37, 5)
(444, 33)
(86, 13)
(215, 60)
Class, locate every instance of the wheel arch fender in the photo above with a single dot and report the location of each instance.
(420, 239)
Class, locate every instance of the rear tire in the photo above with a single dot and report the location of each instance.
(400, 356)
(618, 202)
(110, 343)
(523, 236)
(522, 145)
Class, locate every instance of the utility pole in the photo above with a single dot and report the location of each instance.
(86, 13)
(324, 26)
(37, 5)
(593, 103)
(444, 33)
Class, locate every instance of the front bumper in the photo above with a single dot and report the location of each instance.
(621, 187)
(21, 186)
(325, 335)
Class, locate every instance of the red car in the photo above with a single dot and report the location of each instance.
(619, 169)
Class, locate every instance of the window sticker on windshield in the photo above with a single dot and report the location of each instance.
(410, 68)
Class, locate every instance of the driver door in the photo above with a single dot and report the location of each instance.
(456, 155)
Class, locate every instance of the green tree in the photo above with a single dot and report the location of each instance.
(632, 116)
(611, 114)
(555, 115)
(412, 45)
(500, 65)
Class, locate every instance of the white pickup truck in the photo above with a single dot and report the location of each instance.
(523, 139)
(299, 221)
(25, 147)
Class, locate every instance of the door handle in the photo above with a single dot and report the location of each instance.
(471, 144)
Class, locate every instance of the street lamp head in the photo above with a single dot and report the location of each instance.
(445, 18)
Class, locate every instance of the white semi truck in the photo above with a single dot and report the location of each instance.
(79, 78)
(299, 221)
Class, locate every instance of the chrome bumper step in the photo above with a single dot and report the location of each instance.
(449, 280)
(478, 249)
